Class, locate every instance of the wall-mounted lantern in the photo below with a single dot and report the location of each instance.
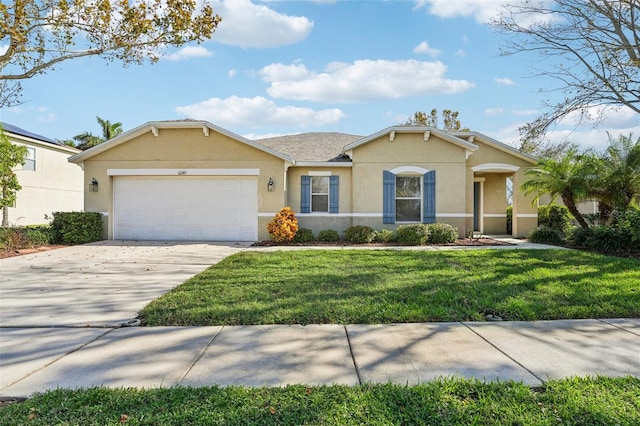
(93, 186)
(270, 185)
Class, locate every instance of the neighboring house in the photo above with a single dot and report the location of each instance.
(49, 182)
(584, 207)
(192, 180)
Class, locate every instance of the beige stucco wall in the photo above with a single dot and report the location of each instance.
(185, 149)
(55, 184)
(525, 211)
(409, 149)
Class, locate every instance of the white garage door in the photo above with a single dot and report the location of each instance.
(186, 208)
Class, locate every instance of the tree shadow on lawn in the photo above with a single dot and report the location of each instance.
(410, 286)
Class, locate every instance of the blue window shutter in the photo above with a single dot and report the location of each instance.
(429, 194)
(388, 197)
(334, 194)
(305, 194)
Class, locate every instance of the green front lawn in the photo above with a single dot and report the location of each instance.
(578, 401)
(387, 286)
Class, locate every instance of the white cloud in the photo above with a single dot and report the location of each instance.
(425, 48)
(3, 48)
(461, 53)
(504, 81)
(481, 10)
(188, 52)
(257, 112)
(248, 25)
(232, 73)
(493, 112)
(524, 112)
(361, 81)
(45, 115)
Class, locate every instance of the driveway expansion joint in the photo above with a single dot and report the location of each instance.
(353, 357)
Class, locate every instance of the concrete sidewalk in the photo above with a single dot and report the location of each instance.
(37, 359)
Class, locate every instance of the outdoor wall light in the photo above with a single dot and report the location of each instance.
(270, 185)
(93, 186)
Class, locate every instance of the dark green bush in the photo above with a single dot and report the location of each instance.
(629, 221)
(412, 235)
(76, 227)
(39, 235)
(610, 239)
(328, 235)
(303, 235)
(509, 220)
(554, 216)
(441, 233)
(547, 235)
(580, 237)
(359, 234)
(20, 237)
(384, 236)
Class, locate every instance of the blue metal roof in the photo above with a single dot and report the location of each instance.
(18, 131)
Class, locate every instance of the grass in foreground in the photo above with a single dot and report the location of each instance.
(367, 287)
(576, 401)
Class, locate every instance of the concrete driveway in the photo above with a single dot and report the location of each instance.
(99, 284)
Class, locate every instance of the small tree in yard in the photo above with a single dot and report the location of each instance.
(10, 156)
(284, 226)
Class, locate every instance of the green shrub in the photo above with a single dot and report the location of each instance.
(412, 235)
(76, 227)
(580, 237)
(329, 236)
(384, 236)
(554, 216)
(39, 235)
(441, 233)
(21, 237)
(359, 234)
(304, 235)
(610, 239)
(509, 220)
(547, 235)
(629, 221)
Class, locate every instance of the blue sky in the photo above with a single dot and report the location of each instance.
(283, 67)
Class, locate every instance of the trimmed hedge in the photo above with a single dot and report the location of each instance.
(442, 233)
(359, 234)
(304, 235)
(20, 237)
(329, 235)
(415, 234)
(547, 235)
(76, 227)
(554, 216)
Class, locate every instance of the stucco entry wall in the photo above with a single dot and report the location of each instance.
(184, 149)
(409, 149)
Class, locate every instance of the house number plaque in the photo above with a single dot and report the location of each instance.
(182, 172)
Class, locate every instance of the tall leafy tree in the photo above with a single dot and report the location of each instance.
(10, 156)
(571, 178)
(88, 140)
(449, 120)
(591, 48)
(40, 34)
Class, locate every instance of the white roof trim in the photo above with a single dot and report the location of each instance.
(323, 164)
(496, 144)
(155, 126)
(412, 129)
(493, 167)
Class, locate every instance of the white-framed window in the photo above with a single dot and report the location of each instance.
(320, 194)
(30, 159)
(408, 198)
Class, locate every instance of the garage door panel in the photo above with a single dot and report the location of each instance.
(210, 209)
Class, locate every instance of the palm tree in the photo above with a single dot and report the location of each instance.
(619, 184)
(88, 140)
(571, 177)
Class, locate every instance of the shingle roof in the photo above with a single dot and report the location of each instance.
(18, 131)
(313, 147)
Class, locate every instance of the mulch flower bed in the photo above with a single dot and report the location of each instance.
(459, 242)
